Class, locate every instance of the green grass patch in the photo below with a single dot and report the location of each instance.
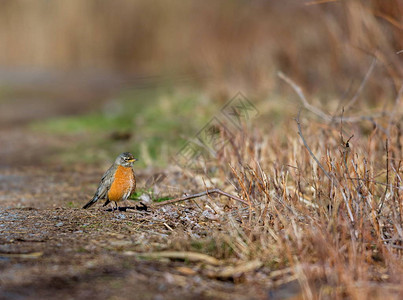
(71, 204)
(156, 121)
(137, 194)
(162, 199)
(94, 122)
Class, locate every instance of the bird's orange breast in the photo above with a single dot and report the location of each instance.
(122, 184)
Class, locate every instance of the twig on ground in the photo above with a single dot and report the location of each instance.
(22, 255)
(191, 256)
(234, 271)
(167, 226)
(208, 192)
(280, 273)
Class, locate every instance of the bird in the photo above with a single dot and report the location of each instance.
(117, 183)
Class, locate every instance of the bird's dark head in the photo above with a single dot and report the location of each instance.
(126, 159)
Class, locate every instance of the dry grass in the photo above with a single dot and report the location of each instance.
(323, 206)
(324, 193)
(234, 44)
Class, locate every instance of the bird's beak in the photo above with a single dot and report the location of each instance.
(133, 160)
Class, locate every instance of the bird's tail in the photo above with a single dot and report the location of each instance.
(91, 202)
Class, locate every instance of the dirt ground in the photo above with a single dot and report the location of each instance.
(51, 247)
(48, 248)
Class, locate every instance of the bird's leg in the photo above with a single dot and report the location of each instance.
(117, 207)
(113, 208)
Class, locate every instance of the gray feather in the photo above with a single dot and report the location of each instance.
(104, 186)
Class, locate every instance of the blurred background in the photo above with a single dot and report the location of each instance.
(83, 80)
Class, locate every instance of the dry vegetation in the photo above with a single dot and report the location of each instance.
(314, 171)
(235, 45)
(323, 209)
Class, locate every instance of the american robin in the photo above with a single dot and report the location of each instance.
(118, 182)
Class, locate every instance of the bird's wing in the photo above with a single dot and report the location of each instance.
(104, 186)
(106, 182)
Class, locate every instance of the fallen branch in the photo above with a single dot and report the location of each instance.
(21, 255)
(191, 256)
(235, 271)
(208, 192)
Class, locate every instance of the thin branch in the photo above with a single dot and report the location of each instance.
(208, 192)
(321, 113)
(370, 117)
(341, 127)
(307, 146)
(387, 178)
(361, 87)
(301, 95)
(376, 182)
(395, 108)
(350, 213)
